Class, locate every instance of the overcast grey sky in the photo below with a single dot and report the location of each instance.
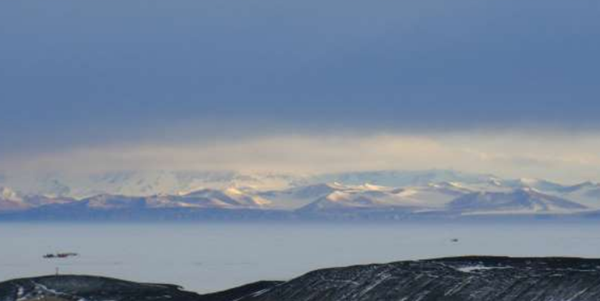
(77, 75)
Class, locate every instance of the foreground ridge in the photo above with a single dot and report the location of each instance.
(449, 279)
(446, 279)
(72, 287)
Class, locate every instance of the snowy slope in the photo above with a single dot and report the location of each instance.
(371, 196)
(9, 194)
(11, 200)
(525, 200)
(587, 193)
(207, 198)
(230, 197)
(297, 197)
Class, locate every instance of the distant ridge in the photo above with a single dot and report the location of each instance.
(459, 196)
(147, 183)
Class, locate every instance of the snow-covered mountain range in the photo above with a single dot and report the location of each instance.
(146, 183)
(387, 194)
(142, 183)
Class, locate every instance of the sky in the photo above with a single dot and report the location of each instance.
(506, 87)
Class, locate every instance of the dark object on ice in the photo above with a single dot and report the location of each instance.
(454, 240)
(60, 255)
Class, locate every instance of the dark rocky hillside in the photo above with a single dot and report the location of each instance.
(448, 279)
(453, 279)
(89, 288)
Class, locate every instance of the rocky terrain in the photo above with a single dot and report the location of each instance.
(91, 288)
(67, 288)
(448, 279)
(452, 279)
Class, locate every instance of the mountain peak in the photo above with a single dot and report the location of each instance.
(529, 180)
(521, 200)
(9, 194)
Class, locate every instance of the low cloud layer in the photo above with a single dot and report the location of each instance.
(566, 159)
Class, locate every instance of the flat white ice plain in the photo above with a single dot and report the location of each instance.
(211, 257)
